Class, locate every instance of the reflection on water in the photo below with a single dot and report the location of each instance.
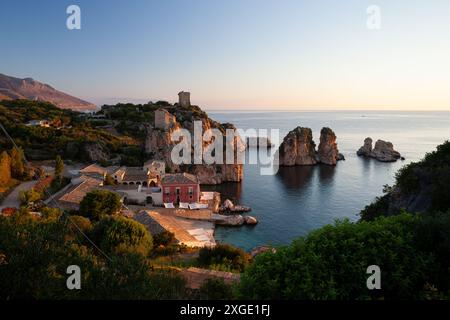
(295, 177)
(299, 199)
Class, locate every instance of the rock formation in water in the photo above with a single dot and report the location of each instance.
(158, 143)
(297, 148)
(328, 152)
(366, 149)
(383, 151)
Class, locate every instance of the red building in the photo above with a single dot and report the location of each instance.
(180, 187)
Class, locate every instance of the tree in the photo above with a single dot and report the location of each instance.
(5, 169)
(17, 163)
(120, 235)
(30, 196)
(99, 203)
(59, 167)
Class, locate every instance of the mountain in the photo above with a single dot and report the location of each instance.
(15, 88)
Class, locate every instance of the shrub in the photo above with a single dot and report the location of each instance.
(163, 239)
(99, 203)
(224, 256)
(215, 289)
(331, 262)
(119, 235)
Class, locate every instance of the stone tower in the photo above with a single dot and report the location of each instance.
(184, 99)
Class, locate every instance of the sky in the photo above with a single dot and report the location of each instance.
(236, 54)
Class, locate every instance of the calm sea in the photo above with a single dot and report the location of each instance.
(300, 199)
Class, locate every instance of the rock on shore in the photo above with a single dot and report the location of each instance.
(383, 151)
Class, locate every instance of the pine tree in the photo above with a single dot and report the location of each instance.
(17, 165)
(5, 169)
(59, 167)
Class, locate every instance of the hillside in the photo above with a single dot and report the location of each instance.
(421, 187)
(12, 88)
(70, 134)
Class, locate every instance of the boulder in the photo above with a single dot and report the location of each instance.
(228, 204)
(233, 221)
(250, 220)
(297, 148)
(328, 152)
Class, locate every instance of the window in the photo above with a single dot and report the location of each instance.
(167, 191)
(178, 191)
(191, 191)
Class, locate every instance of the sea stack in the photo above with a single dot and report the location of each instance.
(297, 148)
(383, 151)
(328, 152)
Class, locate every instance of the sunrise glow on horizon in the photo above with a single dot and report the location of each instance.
(289, 55)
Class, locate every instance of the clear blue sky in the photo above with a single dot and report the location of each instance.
(287, 54)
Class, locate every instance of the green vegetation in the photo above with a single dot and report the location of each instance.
(429, 178)
(70, 134)
(119, 235)
(331, 262)
(59, 168)
(99, 203)
(35, 253)
(223, 257)
(215, 289)
(17, 164)
(29, 197)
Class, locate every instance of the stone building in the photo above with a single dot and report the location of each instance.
(164, 119)
(184, 99)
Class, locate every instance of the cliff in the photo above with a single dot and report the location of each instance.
(158, 143)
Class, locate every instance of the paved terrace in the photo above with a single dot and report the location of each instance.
(189, 231)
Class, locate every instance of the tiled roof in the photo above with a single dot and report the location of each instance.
(77, 194)
(179, 178)
(135, 174)
(94, 168)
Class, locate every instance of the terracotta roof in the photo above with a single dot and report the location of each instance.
(76, 194)
(94, 168)
(179, 178)
(135, 174)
